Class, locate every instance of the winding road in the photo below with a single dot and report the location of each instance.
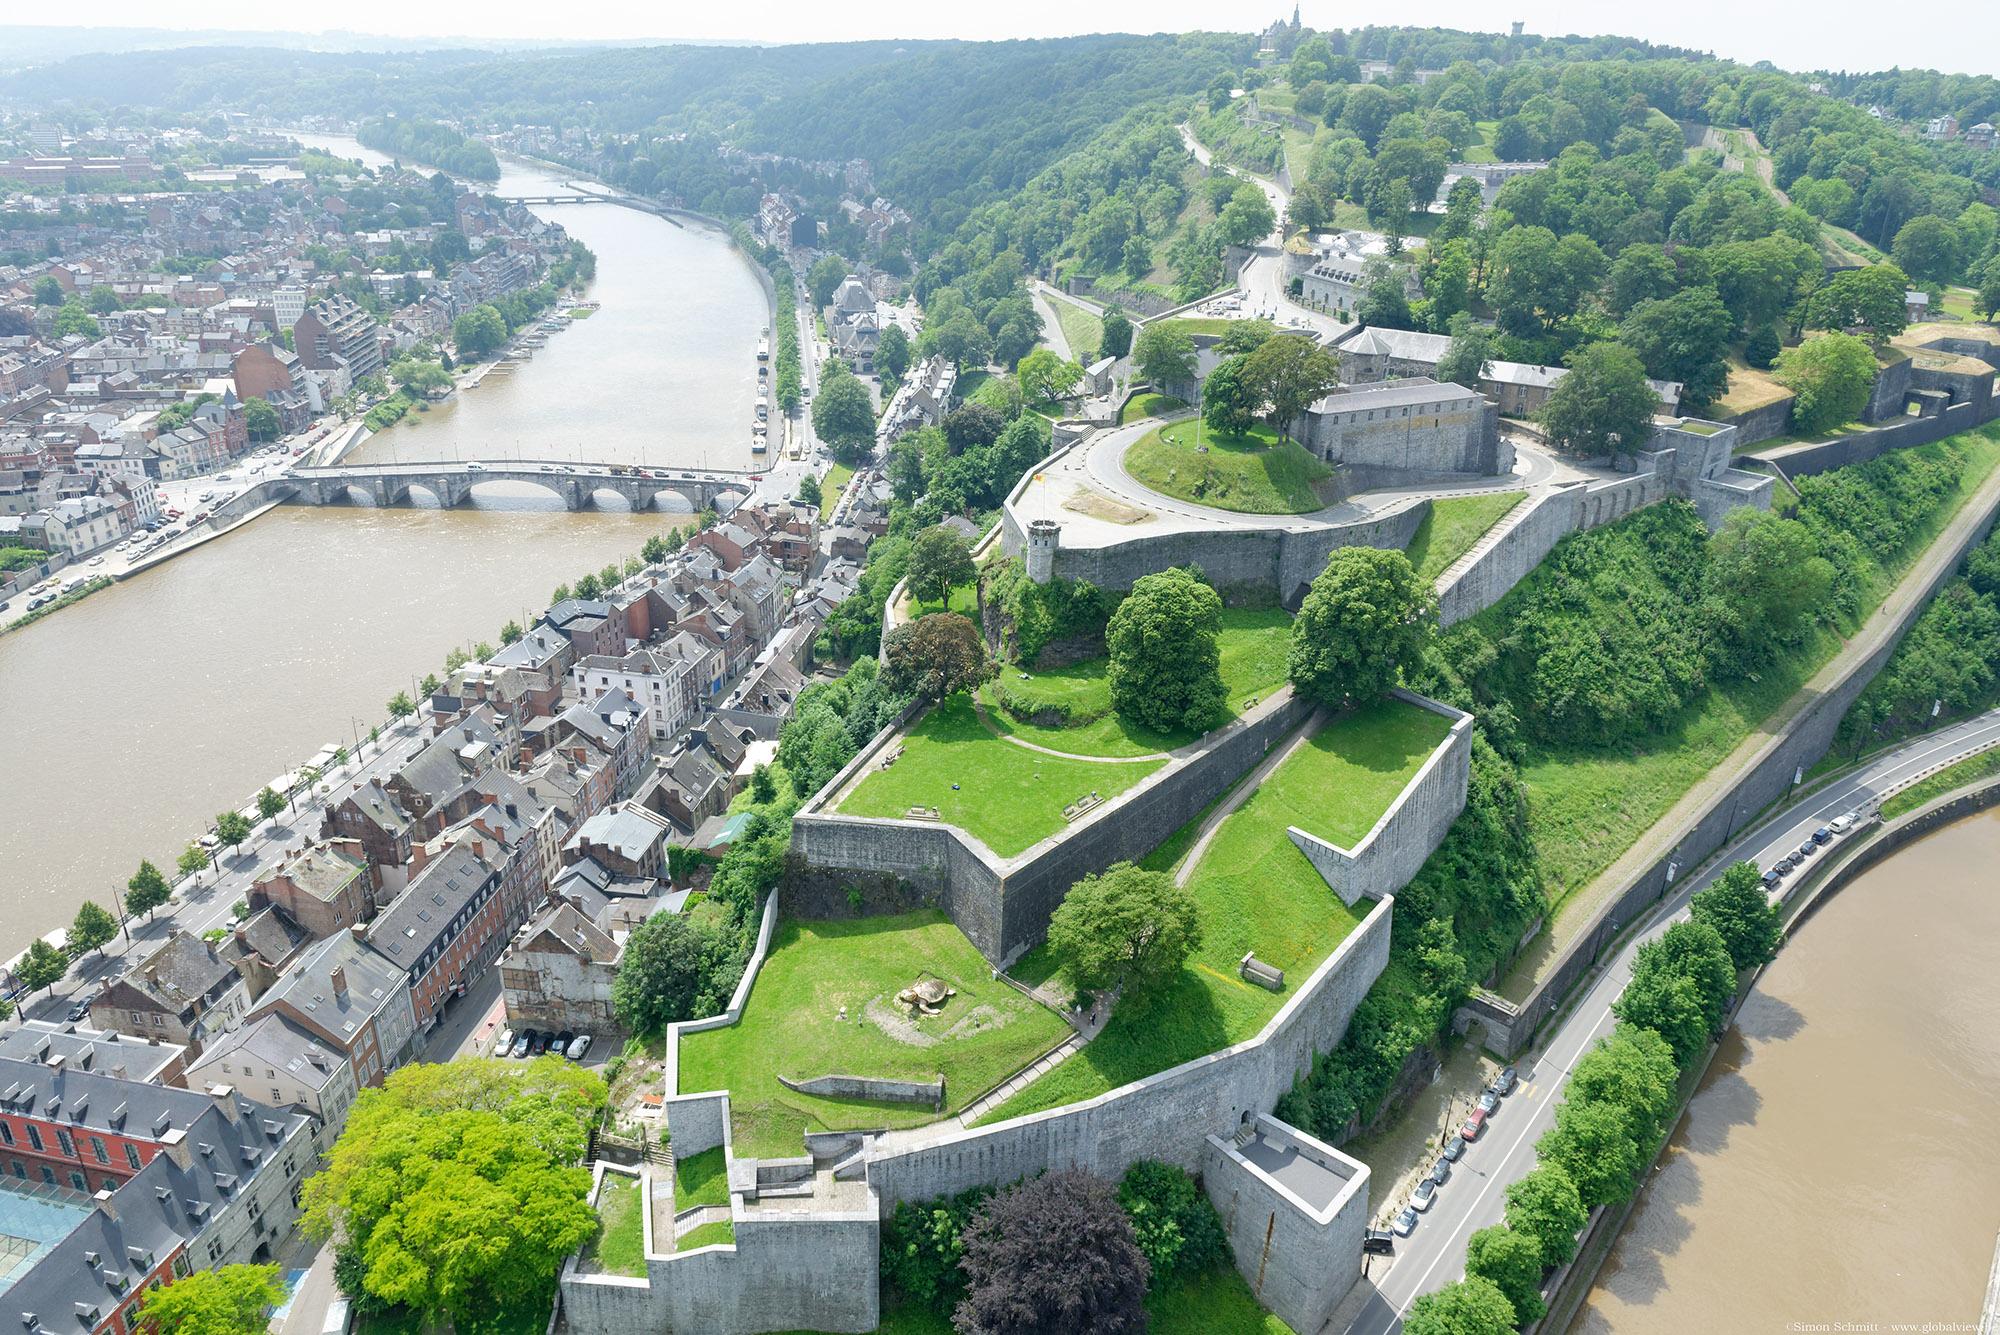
(1475, 1196)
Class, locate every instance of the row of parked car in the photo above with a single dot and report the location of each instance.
(536, 1042)
(1824, 835)
(1383, 1241)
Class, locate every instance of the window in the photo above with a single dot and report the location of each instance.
(6, 1134)
(182, 1266)
(111, 1184)
(79, 1181)
(97, 1148)
(68, 1144)
(48, 1175)
(20, 1169)
(34, 1137)
(132, 1157)
(277, 1099)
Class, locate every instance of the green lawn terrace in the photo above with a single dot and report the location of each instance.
(824, 1003)
(991, 764)
(1258, 894)
(1252, 472)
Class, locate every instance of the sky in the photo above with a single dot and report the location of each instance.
(1957, 35)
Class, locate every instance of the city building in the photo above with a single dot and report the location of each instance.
(181, 993)
(443, 930)
(354, 1000)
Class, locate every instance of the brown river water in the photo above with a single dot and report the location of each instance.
(1836, 1164)
(133, 717)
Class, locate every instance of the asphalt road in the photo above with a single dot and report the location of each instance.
(1475, 1196)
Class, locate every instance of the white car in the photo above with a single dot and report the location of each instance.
(1426, 1192)
(1843, 823)
(475, 468)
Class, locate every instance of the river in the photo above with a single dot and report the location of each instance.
(136, 715)
(1834, 1167)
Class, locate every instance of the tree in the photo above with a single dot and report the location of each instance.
(48, 292)
(262, 420)
(1172, 1221)
(1127, 930)
(1047, 377)
(674, 967)
(940, 560)
(1642, 272)
(1989, 288)
(824, 278)
(1544, 1205)
(809, 494)
(231, 1300)
(1385, 299)
(193, 861)
(1165, 668)
(1470, 1306)
(1831, 378)
(1740, 911)
(1765, 580)
(1289, 372)
(972, 424)
(1117, 340)
(269, 803)
(461, 1184)
(1681, 987)
(1762, 347)
(1592, 1144)
(43, 966)
(844, 417)
(1604, 405)
(72, 318)
(1366, 615)
(231, 828)
(1926, 248)
(1682, 338)
(1165, 354)
(146, 891)
(1868, 299)
(1247, 218)
(92, 927)
(934, 656)
(478, 332)
(892, 352)
(654, 550)
(400, 704)
(1054, 1253)
(1228, 403)
(1633, 1069)
(1465, 357)
(763, 786)
(1513, 1262)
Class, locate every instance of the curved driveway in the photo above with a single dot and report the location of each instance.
(1475, 1197)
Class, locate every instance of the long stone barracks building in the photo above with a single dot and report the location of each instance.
(1402, 430)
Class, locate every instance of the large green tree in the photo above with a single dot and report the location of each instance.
(1046, 377)
(1164, 354)
(1682, 337)
(1765, 580)
(1633, 1069)
(1869, 300)
(43, 966)
(940, 560)
(462, 1185)
(1544, 1205)
(934, 656)
(1471, 1306)
(1127, 930)
(1604, 405)
(1831, 378)
(1513, 1261)
(844, 416)
(93, 927)
(1165, 666)
(1289, 373)
(146, 891)
(1229, 403)
(478, 332)
(1737, 906)
(230, 1300)
(1366, 616)
(675, 966)
(1592, 1143)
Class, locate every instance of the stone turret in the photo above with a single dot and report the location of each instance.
(1044, 535)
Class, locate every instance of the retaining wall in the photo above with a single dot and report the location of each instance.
(1299, 1260)
(1394, 849)
(1885, 398)
(1003, 907)
(1166, 1116)
(1762, 423)
(871, 1089)
(1804, 460)
(1486, 580)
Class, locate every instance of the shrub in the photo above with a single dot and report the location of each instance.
(1176, 1226)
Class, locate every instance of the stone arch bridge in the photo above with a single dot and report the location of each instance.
(451, 483)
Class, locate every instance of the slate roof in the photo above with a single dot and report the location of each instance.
(372, 984)
(425, 911)
(277, 1042)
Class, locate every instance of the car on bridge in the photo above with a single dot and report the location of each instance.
(475, 467)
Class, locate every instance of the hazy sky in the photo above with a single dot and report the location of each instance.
(1961, 35)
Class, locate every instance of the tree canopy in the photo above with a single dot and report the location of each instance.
(936, 655)
(1165, 666)
(1365, 616)
(1126, 929)
(229, 1300)
(1053, 1253)
(1604, 405)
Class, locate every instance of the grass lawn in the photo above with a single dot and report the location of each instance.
(1203, 324)
(791, 1027)
(1969, 770)
(618, 1249)
(1217, 1303)
(1253, 644)
(700, 1179)
(1008, 797)
(831, 486)
(1749, 389)
(1253, 472)
(1082, 330)
(983, 387)
(963, 599)
(1453, 525)
(706, 1235)
(1148, 404)
(1255, 891)
(1298, 150)
(1586, 806)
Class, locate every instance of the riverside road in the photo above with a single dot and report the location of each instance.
(1475, 1197)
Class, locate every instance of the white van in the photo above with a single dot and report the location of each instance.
(338, 1318)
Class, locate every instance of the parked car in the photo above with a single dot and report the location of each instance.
(1503, 1083)
(1772, 878)
(1378, 1242)
(1823, 834)
(522, 1042)
(579, 1049)
(1845, 821)
(80, 1009)
(1489, 1102)
(1426, 1192)
(560, 1043)
(1454, 1148)
(1406, 1223)
(539, 1044)
(506, 1043)
(1807, 849)
(1473, 1124)
(1441, 1171)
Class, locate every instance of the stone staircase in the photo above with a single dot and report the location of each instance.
(1020, 1080)
(1488, 541)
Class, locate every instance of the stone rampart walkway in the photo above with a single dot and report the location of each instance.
(979, 708)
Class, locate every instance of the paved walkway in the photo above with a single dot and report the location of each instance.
(1021, 1079)
(1579, 914)
(1245, 786)
(979, 708)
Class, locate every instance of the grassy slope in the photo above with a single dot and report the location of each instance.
(1255, 891)
(618, 1249)
(1254, 472)
(831, 486)
(707, 1235)
(1586, 806)
(1453, 525)
(1083, 331)
(700, 1179)
(790, 1027)
(1148, 404)
(1970, 770)
(1018, 797)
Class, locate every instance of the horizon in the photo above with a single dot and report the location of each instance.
(1727, 31)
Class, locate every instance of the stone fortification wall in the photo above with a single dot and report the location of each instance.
(1392, 852)
(1804, 460)
(1299, 1260)
(1003, 907)
(1773, 419)
(1770, 776)
(1453, 437)
(1530, 534)
(1885, 400)
(1166, 1116)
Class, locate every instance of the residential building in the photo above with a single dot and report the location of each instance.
(325, 888)
(663, 683)
(81, 1048)
(182, 993)
(557, 974)
(356, 1001)
(443, 930)
(334, 327)
(284, 1064)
